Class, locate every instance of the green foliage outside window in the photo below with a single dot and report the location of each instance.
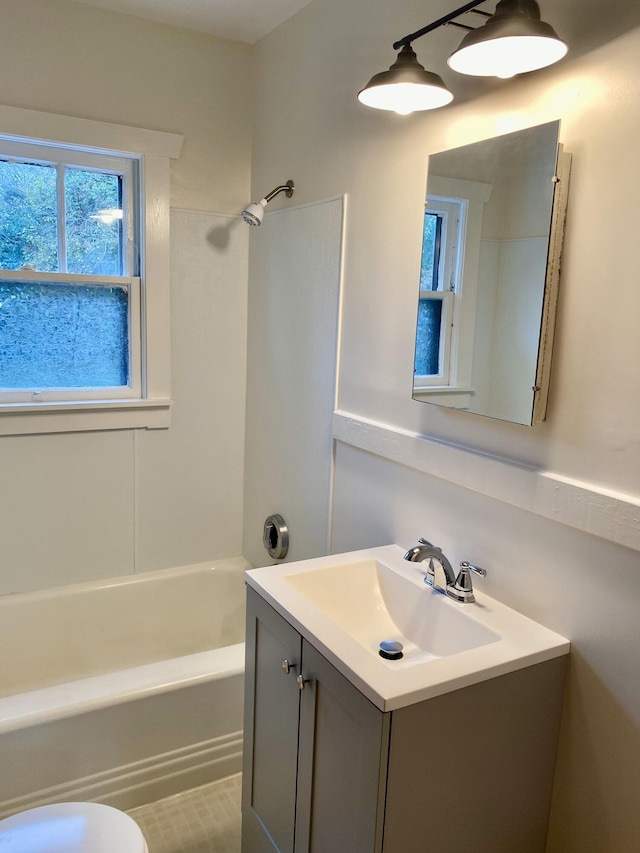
(29, 219)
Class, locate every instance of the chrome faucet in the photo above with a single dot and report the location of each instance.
(458, 587)
(426, 551)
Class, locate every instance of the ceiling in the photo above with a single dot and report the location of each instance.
(241, 20)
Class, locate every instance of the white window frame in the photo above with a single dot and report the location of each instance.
(453, 386)
(453, 215)
(148, 404)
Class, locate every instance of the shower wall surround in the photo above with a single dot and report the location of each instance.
(294, 302)
(189, 477)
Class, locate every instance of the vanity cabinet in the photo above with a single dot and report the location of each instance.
(326, 771)
(314, 758)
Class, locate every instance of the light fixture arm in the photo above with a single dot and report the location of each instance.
(460, 26)
(436, 24)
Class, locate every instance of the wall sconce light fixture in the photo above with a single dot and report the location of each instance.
(512, 41)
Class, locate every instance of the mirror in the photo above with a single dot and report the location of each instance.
(493, 223)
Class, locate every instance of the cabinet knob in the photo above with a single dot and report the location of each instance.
(286, 667)
(302, 681)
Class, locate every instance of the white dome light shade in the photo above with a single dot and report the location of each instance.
(507, 56)
(405, 98)
(406, 87)
(513, 41)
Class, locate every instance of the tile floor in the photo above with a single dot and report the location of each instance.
(204, 820)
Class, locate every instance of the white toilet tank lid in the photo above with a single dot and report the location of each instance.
(71, 828)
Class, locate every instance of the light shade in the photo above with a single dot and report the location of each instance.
(406, 87)
(513, 41)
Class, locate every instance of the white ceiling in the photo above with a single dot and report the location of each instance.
(242, 20)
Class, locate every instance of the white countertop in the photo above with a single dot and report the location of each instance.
(519, 642)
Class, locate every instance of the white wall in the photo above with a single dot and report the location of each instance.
(311, 126)
(81, 506)
(68, 58)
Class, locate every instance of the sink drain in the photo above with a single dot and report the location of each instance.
(391, 649)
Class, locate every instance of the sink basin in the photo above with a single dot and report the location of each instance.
(371, 601)
(346, 604)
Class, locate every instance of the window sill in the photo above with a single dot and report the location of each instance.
(455, 397)
(83, 416)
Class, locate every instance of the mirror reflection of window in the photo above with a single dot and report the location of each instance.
(443, 237)
(427, 361)
(431, 244)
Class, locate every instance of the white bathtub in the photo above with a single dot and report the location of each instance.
(122, 691)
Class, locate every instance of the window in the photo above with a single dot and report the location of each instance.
(69, 275)
(84, 289)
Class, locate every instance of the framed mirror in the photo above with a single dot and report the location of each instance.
(493, 225)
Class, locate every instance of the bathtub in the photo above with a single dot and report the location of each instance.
(122, 691)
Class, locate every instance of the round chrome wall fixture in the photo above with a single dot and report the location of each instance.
(275, 536)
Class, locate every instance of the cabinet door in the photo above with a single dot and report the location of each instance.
(343, 750)
(272, 701)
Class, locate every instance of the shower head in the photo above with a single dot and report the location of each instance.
(254, 212)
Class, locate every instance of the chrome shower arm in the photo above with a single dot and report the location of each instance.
(287, 189)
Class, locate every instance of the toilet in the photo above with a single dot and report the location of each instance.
(71, 828)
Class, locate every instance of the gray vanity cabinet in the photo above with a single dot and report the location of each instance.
(342, 750)
(325, 771)
(314, 758)
(272, 716)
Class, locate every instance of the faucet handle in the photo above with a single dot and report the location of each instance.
(476, 569)
(463, 588)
